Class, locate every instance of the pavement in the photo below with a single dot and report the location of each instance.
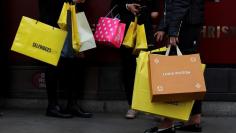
(34, 121)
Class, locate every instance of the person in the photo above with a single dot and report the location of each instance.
(67, 67)
(146, 10)
(182, 22)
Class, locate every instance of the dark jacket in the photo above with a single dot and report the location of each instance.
(181, 12)
(126, 16)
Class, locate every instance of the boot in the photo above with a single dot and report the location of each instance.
(56, 111)
(76, 110)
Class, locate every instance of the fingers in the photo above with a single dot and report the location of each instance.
(177, 40)
(137, 5)
(134, 8)
(159, 36)
(174, 41)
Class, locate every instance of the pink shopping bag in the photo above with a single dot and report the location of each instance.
(106, 30)
(109, 31)
(119, 35)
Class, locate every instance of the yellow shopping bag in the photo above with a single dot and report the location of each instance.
(130, 36)
(63, 16)
(39, 40)
(141, 40)
(62, 22)
(142, 99)
(75, 30)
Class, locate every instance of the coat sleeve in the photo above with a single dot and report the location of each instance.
(178, 11)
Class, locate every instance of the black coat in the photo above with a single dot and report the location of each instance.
(49, 10)
(181, 12)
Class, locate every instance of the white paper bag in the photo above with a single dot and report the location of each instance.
(86, 35)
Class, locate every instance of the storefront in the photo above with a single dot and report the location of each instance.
(217, 50)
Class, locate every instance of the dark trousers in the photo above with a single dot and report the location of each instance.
(188, 43)
(128, 71)
(70, 75)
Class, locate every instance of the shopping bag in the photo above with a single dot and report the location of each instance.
(68, 51)
(130, 36)
(119, 35)
(86, 36)
(75, 31)
(63, 16)
(176, 78)
(39, 40)
(107, 30)
(141, 40)
(142, 99)
(62, 22)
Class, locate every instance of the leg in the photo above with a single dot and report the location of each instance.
(74, 74)
(53, 108)
(189, 40)
(193, 124)
(129, 67)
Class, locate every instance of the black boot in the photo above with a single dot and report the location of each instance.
(76, 110)
(56, 111)
(156, 130)
(190, 128)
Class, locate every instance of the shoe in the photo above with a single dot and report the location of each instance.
(78, 111)
(167, 130)
(191, 128)
(56, 111)
(151, 130)
(131, 114)
(156, 130)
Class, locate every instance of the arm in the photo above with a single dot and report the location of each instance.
(176, 15)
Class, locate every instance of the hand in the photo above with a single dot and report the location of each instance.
(134, 8)
(174, 40)
(159, 35)
(80, 55)
(154, 15)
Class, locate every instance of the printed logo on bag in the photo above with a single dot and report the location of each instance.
(184, 72)
(193, 59)
(40, 46)
(157, 61)
(160, 88)
(198, 86)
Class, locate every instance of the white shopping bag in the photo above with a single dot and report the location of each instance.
(86, 35)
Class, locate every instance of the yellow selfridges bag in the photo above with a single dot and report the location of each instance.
(39, 41)
(130, 36)
(63, 16)
(62, 22)
(142, 95)
(141, 40)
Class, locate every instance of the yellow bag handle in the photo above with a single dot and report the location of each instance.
(162, 49)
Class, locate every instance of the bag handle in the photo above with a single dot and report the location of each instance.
(179, 53)
(114, 7)
(162, 49)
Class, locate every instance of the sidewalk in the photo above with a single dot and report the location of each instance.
(34, 121)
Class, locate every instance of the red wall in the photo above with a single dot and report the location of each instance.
(219, 34)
